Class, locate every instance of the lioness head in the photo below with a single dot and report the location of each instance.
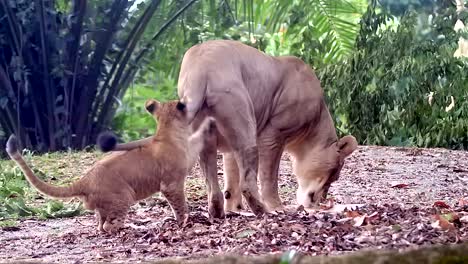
(318, 168)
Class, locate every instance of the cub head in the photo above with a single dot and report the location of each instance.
(169, 113)
(319, 168)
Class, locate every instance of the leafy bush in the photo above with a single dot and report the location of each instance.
(132, 121)
(402, 86)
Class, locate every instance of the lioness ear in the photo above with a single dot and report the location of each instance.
(151, 105)
(346, 145)
(180, 106)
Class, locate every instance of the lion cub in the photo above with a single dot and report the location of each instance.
(120, 179)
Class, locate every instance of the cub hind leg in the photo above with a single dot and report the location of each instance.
(115, 221)
(112, 211)
(101, 218)
(111, 221)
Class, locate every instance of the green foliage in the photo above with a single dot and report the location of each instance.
(399, 7)
(398, 85)
(15, 191)
(8, 223)
(132, 121)
(64, 66)
(322, 32)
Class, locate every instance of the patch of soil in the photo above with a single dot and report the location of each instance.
(409, 197)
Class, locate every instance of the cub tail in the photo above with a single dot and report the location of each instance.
(107, 141)
(43, 187)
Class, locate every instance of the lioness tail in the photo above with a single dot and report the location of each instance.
(43, 187)
(107, 141)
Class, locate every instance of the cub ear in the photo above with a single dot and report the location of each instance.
(151, 105)
(346, 145)
(180, 106)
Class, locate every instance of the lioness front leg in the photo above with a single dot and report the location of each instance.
(270, 151)
(247, 160)
(174, 193)
(232, 193)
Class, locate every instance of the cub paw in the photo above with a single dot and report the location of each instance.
(209, 125)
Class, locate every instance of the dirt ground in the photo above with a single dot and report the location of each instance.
(406, 197)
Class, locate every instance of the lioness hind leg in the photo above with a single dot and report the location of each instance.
(175, 195)
(247, 160)
(232, 192)
(208, 165)
(235, 119)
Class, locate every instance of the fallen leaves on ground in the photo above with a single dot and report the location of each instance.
(398, 185)
(386, 225)
(463, 202)
(441, 204)
(329, 203)
(442, 223)
(364, 214)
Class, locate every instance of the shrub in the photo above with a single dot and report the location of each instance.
(402, 85)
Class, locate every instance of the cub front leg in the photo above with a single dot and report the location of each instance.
(174, 194)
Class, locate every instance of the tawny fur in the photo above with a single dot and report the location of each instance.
(263, 106)
(120, 179)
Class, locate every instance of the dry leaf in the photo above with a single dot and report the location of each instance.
(441, 204)
(245, 233)
(298, 228)
(340, 208)
(352, 214)
(464, 219)
(442, 223)
(374, 216)
(328, 205)
(463, 202)
(359, 220)
(399, 185)
(451, 217)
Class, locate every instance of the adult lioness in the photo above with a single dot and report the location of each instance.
(117, 181)
(263, 105)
